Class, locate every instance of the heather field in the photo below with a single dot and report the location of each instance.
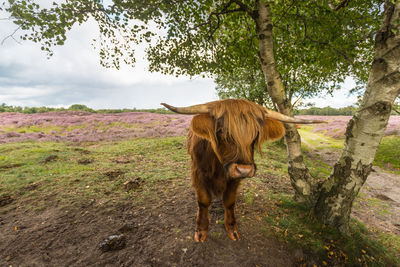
(78, 126)
(336, 126)
(71, 181)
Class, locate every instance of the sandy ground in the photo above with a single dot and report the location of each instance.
(378, 204)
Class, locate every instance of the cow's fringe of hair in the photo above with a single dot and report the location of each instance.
(243, 124)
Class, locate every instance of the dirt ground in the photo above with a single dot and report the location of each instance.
(158, 228)
(378, 204)
(158, 232)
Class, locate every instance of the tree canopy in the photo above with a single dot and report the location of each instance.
(316, 44)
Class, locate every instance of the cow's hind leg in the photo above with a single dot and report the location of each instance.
(229, 199)
(202, 221)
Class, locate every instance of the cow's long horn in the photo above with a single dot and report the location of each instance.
(196, 109)
(283, 118)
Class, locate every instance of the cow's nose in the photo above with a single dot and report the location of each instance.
(236, 170)
(243, 170)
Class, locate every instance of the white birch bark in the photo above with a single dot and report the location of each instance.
(365, 130)
(300, 177)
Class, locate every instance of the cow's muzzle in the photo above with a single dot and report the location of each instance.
(236, 170)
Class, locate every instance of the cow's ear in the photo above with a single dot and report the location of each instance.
(273, 129)
(203, 126)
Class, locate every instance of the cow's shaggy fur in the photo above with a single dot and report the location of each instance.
(225, 137)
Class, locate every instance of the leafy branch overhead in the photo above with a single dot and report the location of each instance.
(316, 42)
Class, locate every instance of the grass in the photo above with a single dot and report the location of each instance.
(39, 174)
(388, 154)
(317, 140)
(293, 223)
(80, 173)
(48, 128)
(273, 161)
(387, 157)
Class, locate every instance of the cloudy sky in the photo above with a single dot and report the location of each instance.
(74, 76)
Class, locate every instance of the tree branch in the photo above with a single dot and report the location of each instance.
(297, 100)
(306, 36)
(244, 7)
(11, 36)
(342, 4)
(396, 110)
(225, 10)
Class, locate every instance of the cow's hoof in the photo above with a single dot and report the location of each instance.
(234, 235)
(200, 236)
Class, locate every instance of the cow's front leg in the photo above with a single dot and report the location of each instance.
(229, 199)
(202, 220)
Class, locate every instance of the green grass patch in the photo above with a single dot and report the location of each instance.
(317, 140)
(34, 171)
(388, 154)
(43, 128)
(293, 223)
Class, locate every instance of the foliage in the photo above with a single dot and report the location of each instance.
(327, 111)
(245, 83)
(76, 107)
(396, 107)
(330, 111)
(27, 110)
(80, 107)
(316, 46)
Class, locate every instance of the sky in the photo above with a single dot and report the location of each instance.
(74, 76)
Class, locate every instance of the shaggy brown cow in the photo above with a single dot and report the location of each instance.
(221, 142)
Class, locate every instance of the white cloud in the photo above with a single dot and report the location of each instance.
(74, 75)
(339, 99)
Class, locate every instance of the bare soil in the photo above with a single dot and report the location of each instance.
(378, 204)
(158, 230)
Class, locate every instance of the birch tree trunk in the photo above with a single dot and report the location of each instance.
(300, 177)
(365, 130)
(332, 202)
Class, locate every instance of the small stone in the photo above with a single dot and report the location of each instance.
(8, 258)
(113, 242)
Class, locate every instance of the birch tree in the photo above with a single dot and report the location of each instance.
(365, 130)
